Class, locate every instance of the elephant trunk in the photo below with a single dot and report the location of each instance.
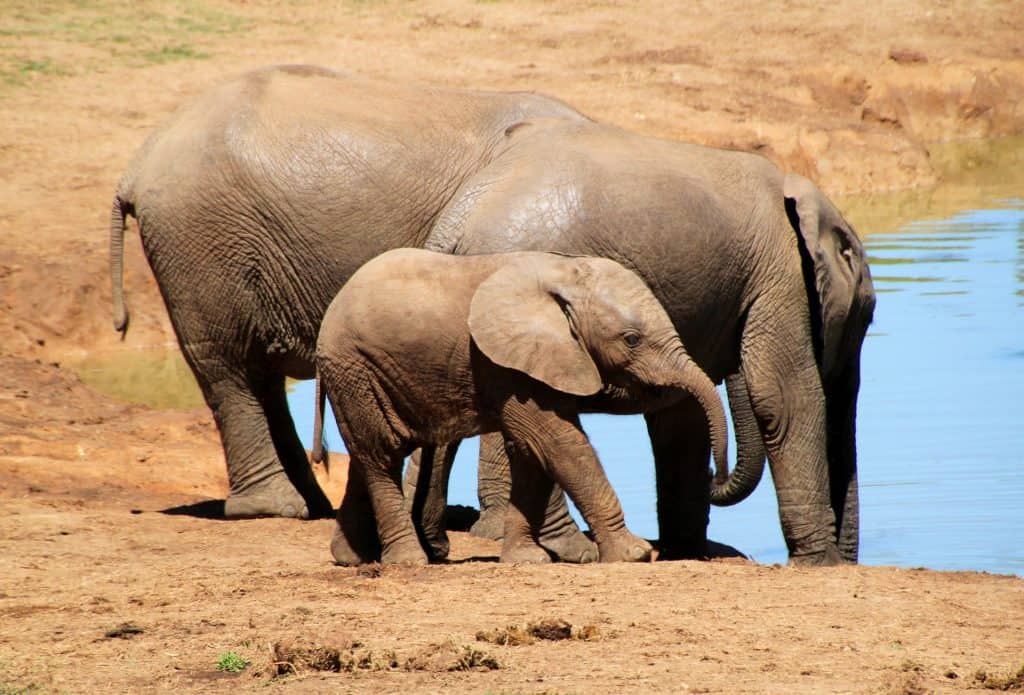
(319, 451)
(841, 407)
(117, 214)
(699, 385)
(750, 451)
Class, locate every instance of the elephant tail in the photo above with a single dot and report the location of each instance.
(319, 450)
(750, 453)
(118, 211)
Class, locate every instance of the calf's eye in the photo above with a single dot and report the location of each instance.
(632, 339)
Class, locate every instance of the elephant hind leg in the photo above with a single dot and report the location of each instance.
(400, 543)
(289, 448)
(426, 495)
(258, 483)
(682, 449)
(355, 539)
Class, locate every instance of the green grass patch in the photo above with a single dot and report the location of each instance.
(231, 662)
(74, 37)
(167, 54)
(19, 70)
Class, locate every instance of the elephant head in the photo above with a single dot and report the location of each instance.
(841, 298)
(588, 325)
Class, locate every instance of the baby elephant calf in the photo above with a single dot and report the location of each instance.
(421, 349)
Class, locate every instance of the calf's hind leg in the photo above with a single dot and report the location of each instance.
(355, 539)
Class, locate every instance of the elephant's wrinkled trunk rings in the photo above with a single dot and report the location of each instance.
(750, 456)
(319, 450)
(695, 382)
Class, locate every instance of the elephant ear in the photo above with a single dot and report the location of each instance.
(837, 259)
(522, 318)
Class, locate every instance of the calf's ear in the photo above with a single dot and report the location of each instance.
(521, 318)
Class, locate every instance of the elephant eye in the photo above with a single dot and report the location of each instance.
(631, 339)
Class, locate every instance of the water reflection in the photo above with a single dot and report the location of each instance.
(942, 467)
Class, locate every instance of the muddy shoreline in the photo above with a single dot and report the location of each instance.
(106, 518)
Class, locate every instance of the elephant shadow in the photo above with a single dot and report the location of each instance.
(206, 509)
(459, 518)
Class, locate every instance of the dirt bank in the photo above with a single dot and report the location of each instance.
(115, 577)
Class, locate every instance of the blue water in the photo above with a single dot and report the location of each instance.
(941, 426)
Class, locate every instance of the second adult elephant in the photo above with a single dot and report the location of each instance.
(765, 281)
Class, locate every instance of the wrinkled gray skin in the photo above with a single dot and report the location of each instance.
(258, 200)
(419, 349)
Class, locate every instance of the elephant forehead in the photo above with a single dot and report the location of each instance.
(615, 285)
(616, 306)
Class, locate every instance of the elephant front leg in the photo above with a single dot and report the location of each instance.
(789, 404)
(557, 441)
(559, 534)
(682, 448)
(530, 488)
(290, 451)
(841, 407)
(258, 483)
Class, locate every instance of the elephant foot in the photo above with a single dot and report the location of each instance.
(571, 547)
(829, 557)
(625, 547)
(275, 497)
(350, 550)
(317, 503)
(355, 540)
(684, 550)
(436, 545)
(404, 552)
(491, 524)
(523, 552)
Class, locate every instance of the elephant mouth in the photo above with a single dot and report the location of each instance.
(631, 400)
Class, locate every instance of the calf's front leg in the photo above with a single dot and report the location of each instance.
(558, 445)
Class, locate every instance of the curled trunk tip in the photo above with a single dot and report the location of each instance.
(701, 387)
(750, 451)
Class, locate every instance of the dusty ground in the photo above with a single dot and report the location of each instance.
(103, 589)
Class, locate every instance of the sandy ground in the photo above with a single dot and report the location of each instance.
(116, 575)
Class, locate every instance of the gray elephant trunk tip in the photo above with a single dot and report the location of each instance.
(743, 480)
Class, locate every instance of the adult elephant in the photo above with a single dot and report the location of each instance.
(763, 279)
(257, 201)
